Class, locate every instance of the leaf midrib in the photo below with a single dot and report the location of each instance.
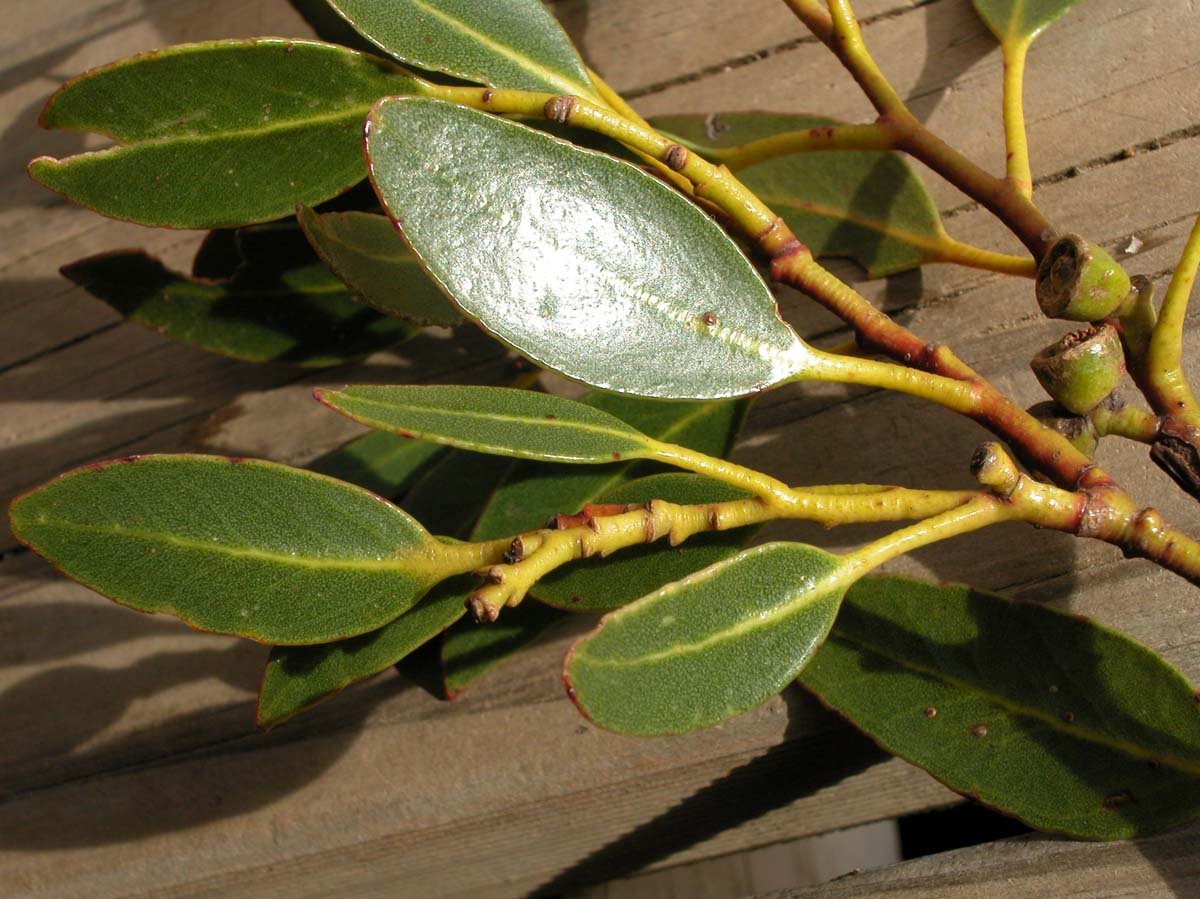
(812, 595)
(520, 59)
(414, 566)
(1055, 724)
(631, 436)
(347, 113)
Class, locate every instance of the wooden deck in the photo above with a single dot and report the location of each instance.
(129, 763)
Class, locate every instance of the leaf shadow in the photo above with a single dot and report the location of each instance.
(815, 753)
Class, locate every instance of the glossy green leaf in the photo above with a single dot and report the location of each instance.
(472, 649)
(243, 547)
(496, 420)
(504, 43)
(1066, 724)
(217, 134)
(598, 585)
(536, 491)
(301, 314)
(380, 462)
(582, 262)
(864, 205)
(299, 677)
(1020, 21)
(713, 645)
(365, 251)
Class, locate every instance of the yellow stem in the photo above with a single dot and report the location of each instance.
(531, 556)
(976, 513)
(848, 40)
(1016, 143)
(958, 396)
(1171, 393)
(810, 140)
(965, 254)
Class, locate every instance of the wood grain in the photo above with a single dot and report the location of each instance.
(128, 762)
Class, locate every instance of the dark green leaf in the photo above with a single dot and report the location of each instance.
(298, 677)
(301, 314)
(495, 420)
(582, 262)
(471, 650)
(365, 251)
(504, 43)
(380, 462)
(243, 547)
(221, 133)
(713, 645)
(449, 498)
(865, 205)
(1066, 724)
(598, 585)
(1020, 21)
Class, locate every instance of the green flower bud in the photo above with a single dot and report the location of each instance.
(1079, 282)
(1082, 369)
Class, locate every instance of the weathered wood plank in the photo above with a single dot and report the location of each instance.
(1166, 866)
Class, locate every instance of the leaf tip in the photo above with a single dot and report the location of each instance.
(41, 167)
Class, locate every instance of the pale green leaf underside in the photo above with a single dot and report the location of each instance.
(713, 645)
(1066, 724)
(502, 43)
(221, 133)
(243, 547)
(368, 255)
(582, 262)
(868, 206)
(1021, 20)
(498, 420)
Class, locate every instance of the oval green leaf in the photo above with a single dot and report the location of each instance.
(863, 205)
(599, 585)
(365, 251)
(497, 420)
(244, 547)
(1053, 718)
(503, 43)
(298, 677)
(302, 314)
(713, 645)
(282, 125)
(584, 263)
(1020, 21)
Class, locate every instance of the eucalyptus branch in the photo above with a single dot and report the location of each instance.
(793, 264)
(844, 37)
(603, 530)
